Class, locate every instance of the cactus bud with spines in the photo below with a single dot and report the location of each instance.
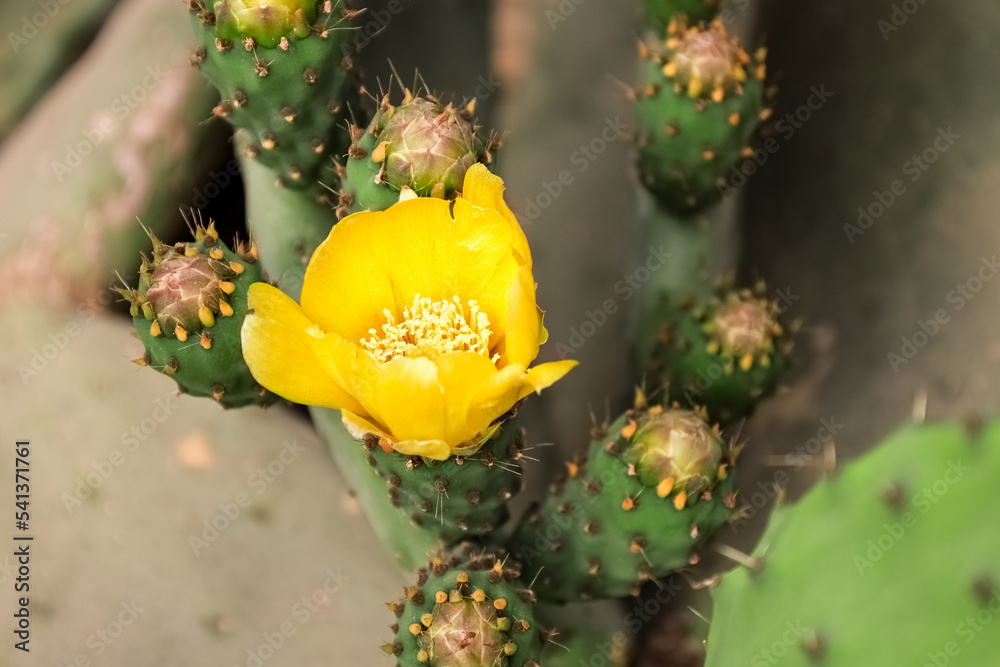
(699, 101)
(188, 310)
(659, 13)
(283, 71)
(675, 449)
(466, 612)
(652, 489)
(724, 353)
(420, 146)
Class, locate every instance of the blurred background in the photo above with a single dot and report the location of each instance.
(103, 122)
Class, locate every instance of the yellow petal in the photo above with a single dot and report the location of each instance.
(545, 375)
(462, 376)
(276, 348)
(377, 261)
(485, 190)
(359, 427)
(492, 399)
(431, 449)
(523, 325)
(410, 401)
(352, 367)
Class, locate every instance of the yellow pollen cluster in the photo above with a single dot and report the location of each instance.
(431, 328)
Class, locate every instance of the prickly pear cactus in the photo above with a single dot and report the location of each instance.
(903, 538)
(282, 69)
(651, 491)
(724, 353)
(699, 100)
(188, 310)
(472, 612)
(461, 497)
(420, 145)
(659, 13)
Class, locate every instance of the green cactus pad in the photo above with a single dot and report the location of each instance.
(603, 533)
(188, 311)
(420, 144)
(699, 101)
(466, 613)
(724, 353)
(283, 86)
(893, 562)
(659, 13)
(461, 497)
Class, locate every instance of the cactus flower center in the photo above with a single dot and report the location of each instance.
(432, 328)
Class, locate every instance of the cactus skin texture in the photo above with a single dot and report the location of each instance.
(459, 498)
(419, 144)
(603, 532)
(724, 353)
(282, 76)
(904, 538)
(659, 13)
(188, 311)
(698, 104)
(466, 612)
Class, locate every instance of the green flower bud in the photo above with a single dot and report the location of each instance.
(265, 21)
(675, 445)
(463, 634)
(180, 288)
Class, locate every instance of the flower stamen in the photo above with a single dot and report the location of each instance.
(432, 328)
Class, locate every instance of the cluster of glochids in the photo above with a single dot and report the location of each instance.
(653, 487)
(469, 611)
(283, 70)
(699, 101)
(419, 148)
(724, 352)
(188, 309)
(458, 498)
(895, 537)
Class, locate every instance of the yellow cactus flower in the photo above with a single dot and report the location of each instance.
(419, 323)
